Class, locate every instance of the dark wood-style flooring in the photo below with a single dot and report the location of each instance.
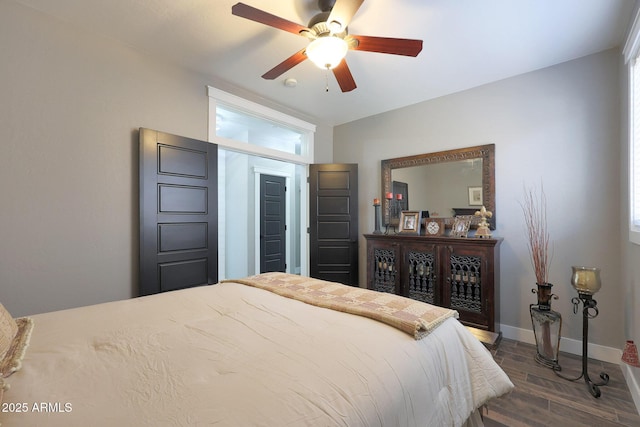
(541, 398)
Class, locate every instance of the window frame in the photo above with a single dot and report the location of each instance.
(631, 53)
(252, 108)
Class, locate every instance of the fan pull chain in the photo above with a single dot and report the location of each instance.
(326, 80)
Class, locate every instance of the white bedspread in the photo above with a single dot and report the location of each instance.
(234, 355)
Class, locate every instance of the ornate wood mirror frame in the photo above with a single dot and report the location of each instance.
(484, 152)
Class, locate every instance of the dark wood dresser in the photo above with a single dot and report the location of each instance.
(461, 274)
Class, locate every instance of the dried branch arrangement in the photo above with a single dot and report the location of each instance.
(535, 216)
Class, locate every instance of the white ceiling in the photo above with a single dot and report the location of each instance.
(466, 43)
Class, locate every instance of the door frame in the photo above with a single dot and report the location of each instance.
(254, 258)
(257, 172)
(304, 158)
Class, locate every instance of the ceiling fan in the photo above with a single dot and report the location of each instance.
(329, 39)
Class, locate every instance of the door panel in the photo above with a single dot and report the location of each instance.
(333, 215)
(178, 212)
(182, 237)
(182, 199)
(178, 161)
(182, 274)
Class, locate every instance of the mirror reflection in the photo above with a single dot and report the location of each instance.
(444, 184)
(459, 185)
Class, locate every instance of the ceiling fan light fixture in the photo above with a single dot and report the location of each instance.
(329, 39)
(327, 52)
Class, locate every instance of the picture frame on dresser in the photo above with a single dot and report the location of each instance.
(409, 222)
(460, 227)
(433, 227)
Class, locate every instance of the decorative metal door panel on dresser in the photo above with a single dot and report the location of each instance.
(462, 274)
(383, 259)
(420, 269)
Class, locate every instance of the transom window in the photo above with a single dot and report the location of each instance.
(241, 126)
(245, 126)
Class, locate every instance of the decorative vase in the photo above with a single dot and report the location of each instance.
(630, 354)
(547, 326)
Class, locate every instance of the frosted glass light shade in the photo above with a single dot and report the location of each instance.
(327, 52)
(586, 280)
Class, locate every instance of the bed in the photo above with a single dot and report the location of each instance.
(239, 354)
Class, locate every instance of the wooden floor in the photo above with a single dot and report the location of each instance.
(541, 398)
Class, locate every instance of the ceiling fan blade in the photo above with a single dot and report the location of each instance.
(257, 15)
(406, 47)
(344, 77)
(343, 11)
(285, 65)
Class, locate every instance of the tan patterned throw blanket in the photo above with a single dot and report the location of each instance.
(413, 317)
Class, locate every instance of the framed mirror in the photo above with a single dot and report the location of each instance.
(444, 183)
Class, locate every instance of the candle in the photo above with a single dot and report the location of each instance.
(398, 196)
(376, 202)
(389, 196)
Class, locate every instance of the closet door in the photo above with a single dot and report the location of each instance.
(333, 219)
(178, 212)
(273, 223)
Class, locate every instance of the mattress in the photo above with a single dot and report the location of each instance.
(236, 355)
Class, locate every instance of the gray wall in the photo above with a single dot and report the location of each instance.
(70, 107)
(559, 126)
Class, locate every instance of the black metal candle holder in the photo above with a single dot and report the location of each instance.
(589, 311)
(391, 209)
(376, 208)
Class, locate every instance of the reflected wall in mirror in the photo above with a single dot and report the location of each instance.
(442, 182)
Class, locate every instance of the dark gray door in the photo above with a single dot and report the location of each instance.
(178, 212)
(272, 223)
(333, 215)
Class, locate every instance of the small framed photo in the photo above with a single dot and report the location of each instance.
(475, 196)
(460, 227)
(433, 226)
(409, 222)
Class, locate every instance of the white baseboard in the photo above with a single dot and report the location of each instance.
(568, 345)
(595, 351)
(632, 376)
